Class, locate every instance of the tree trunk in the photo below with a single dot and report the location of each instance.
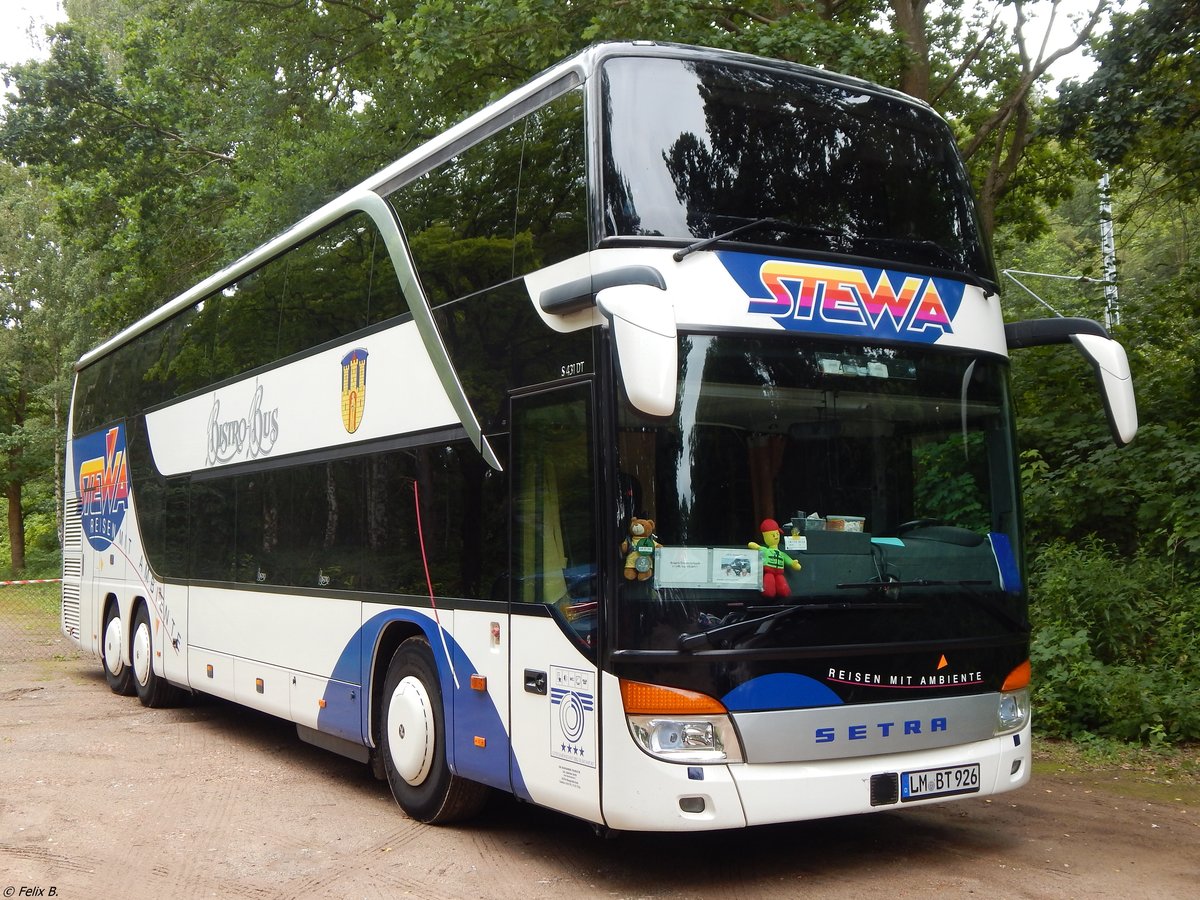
(13, 481)
(16, 527)
(910, 21)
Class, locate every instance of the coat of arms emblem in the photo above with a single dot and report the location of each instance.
(354, 388)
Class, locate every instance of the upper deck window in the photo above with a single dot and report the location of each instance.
(696, 148)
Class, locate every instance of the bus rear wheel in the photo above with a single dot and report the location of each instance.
(116, 673)
(153, 690)
(413, 742)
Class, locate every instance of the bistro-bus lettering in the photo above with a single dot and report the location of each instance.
(882, 730)
(249, 437)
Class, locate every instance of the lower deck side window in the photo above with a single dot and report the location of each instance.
(349, 524)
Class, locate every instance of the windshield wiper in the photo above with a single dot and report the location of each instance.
(778, 224)
(944, 259)
(763, 624)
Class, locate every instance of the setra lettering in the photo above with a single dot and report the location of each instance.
(881, 730)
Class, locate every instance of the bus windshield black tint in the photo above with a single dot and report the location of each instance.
(872, 485)
(844, 170)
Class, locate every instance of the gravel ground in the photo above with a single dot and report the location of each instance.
(211, 800)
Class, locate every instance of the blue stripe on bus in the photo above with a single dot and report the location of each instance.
(1006, 562)
(469, 713)
(780, 690)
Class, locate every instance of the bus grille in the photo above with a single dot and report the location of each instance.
(70, 609)
(72, 528)
(72, 568)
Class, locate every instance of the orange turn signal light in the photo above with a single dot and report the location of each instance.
(656, 700)
(1018, 677)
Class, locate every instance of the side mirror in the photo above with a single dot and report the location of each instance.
(1107, 357)
(1111, 364)
(643, 328)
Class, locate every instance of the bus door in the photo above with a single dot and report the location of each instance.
(555, 685)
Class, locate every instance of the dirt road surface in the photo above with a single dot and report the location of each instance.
(100, 797)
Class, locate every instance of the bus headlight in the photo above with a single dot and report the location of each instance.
(1012, 713)
(696, 739)
(679, 726)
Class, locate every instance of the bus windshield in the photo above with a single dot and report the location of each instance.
(885, 474)
(810, 164)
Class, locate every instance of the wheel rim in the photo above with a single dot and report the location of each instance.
(141, 652)
(410, 731)
(112, 646)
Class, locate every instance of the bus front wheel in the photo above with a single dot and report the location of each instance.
(413, 741)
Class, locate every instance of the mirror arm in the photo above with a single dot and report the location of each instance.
(1044, 332)
(1107, 357)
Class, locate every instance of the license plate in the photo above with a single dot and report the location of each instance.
(939, 782)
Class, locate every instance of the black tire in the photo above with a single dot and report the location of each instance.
(413, 742)
(118, 675)
(153, 690)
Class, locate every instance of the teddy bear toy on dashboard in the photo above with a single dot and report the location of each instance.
(639, 549)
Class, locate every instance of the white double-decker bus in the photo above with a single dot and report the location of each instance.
(640, 446)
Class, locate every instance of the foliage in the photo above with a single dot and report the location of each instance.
(947, 491)
(1114, 653)
(1116, 533)
(42, 555)
(1076, 482)
(39, 283)
(1144, 99)
(181, 135)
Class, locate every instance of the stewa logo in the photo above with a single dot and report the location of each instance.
(846, 300)
(354, 388)
(102, 483)
(249, 437)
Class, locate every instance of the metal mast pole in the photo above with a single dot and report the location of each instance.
(1108, 250)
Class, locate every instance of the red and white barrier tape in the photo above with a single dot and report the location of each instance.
(31, 581)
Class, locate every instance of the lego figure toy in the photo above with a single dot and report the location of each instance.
(773, 561)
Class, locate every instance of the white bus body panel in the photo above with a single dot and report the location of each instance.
(169, 618)
(298, 407)
(273, 636)
(644, 793)
(789, 792)
(555, 735)
(721, 291)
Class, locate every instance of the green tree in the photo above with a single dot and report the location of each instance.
(987, 78)
(182, 134)
(37, 342)
(1143, 102)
